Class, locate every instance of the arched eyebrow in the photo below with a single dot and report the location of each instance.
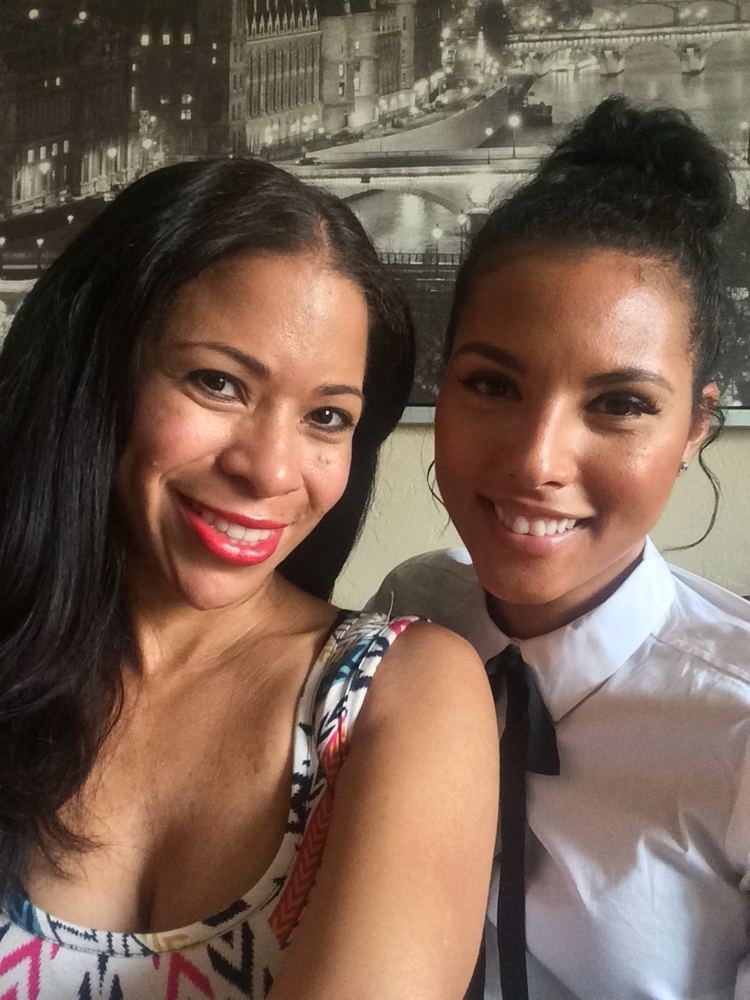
(492, 353)
(341, 390)
(247, 361)
(633, 374)
(261, 370)
(602, 379)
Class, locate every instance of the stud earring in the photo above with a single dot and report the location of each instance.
(683, 467)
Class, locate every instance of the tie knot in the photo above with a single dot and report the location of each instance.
(508, 663)
(526, 713)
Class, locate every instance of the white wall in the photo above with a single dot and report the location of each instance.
(405, 520)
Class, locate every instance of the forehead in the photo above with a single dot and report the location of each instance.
(280, 285)
(596, 308)
(271, 303)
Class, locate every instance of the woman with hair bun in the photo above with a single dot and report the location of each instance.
(579, 383)
(213, 783)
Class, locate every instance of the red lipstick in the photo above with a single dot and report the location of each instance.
(237, 551)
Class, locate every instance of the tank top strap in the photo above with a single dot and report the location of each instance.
(361, 640)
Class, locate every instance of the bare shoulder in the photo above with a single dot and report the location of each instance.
(439, 643)
(428, 642)
(403, 872)
(430, 692)
(429, 672)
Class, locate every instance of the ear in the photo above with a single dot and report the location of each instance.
(701, 425)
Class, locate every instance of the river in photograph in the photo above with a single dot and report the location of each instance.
(718, 99)
(407, 223)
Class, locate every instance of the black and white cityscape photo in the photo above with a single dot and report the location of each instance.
(420, 113)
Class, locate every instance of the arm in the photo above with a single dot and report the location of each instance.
(738, 844)
(398, 906)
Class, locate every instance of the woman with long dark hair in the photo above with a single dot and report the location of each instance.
(579, 384)
(194, 395)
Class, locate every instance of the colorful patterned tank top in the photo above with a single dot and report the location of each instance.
(237, 952)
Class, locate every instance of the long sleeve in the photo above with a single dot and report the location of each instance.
(738, 849)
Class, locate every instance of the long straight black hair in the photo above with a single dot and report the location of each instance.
(68, 374)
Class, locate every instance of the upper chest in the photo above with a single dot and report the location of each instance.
(187, 807)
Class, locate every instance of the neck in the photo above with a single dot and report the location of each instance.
(174, 637)
(525, 621)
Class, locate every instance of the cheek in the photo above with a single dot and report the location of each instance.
(329, 474)
(166, 432)
(639, 486)
(453, 473)
(458, 452)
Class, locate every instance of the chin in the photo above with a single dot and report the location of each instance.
(523, 588)
(207, 594)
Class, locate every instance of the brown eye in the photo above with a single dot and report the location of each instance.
(216, 384)
(330, 419)
(623, 405)
(490, 384)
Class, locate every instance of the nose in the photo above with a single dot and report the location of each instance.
(545, 447)
(263, 455)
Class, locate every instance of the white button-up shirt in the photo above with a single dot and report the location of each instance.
(638, 864)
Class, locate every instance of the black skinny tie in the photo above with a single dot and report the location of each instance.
(528, 744)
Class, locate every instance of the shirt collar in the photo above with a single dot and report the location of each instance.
(593, 646)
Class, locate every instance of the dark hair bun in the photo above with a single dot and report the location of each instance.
(659, 150)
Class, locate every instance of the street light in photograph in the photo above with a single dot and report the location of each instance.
(514, 121)
(112, 157)
(147, 124)
(437, 232)
(39, 247)
(488, 132)
(146, 144)
(745, 129)
(2, 255)
(463, 225)
(44, 168)
(70, 217)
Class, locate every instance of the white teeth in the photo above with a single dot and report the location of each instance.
(250, 536)
(538, 526)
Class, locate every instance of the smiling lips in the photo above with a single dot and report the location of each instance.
(240, 540)
(537, 526)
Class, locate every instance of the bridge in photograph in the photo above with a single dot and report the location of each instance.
(540, 50)
(680, 10)
(466, 181)
(456, 179)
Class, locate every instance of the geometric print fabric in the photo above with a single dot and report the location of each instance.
(235, 953)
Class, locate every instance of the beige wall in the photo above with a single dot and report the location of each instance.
(405, 520)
